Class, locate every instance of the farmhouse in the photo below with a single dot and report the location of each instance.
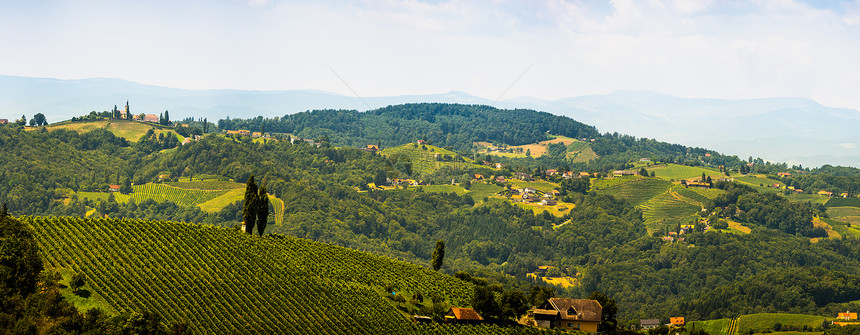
(244, 132)
(676, 321)
(4, 121)
(548, 202)
(463, 315)
(500, 179)
(847, 316)
(569, 314)
(621, 173)
(523, 176)
(500, 166)
(551, 172)
(420, 142)
(479, 177)
(528, 190)
(784, 174)
(371, 147)
(256, 134)
(113, 188)
(150, 118)
(649, 323)
(825, 193)
(644, 160)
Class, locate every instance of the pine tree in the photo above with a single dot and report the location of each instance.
(262, 210)
(438, 255)
(249, 209)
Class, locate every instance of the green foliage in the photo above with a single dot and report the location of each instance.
(608, 313)
(77, 281)
(211, 273)
(19, 258)
(484, 302)
(438, 255)
(444, 125)
(250, 206)
(262, 210)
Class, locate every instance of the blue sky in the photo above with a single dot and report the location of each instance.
(711, 49)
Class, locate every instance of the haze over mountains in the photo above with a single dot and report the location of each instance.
(792, 130)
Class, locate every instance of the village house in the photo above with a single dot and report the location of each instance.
(113, 188)
(256, 134)
(372, 148)
(463, 316)
(784, 174)
(524, 176)
(4, 121)
(847, 316)
(621, 173)
(825, 193)
(649, 323)
(500, 179)
(528, 190)
(584, 174)
(187, 140)
(150, 118)
(569, 314)
(676, 321)
(551, 172)
(548, 202)
(500, 166)
(644, 160)
(479, 177)
(422, 142)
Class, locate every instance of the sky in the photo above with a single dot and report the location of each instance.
(493, 49)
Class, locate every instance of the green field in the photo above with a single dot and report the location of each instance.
(758, 323)
(441, 189)
(540, 185)
(130, 130)
(678, 172)
(702, 195)
(220, 280)
(712, 327)
(423, 161)
(638, 190)
(668, 210)
(210, 196)
(842, 202)
(479, 191)
(849, 215)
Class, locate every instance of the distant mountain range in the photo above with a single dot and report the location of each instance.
(792, 130)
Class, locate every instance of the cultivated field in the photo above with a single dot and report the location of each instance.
(678, 172)
(757, 323)
(423, 161)
(637, 190)
(577, 150)
(130, 130)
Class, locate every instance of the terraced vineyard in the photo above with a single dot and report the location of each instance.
(669, 209)
(638, 190)
(219, 280)
(162, 192)
(423, 161)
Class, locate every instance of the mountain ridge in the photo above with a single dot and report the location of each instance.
(746, 127)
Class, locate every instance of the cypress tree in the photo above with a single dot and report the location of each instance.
(249, 209)
(438, 255)
(262, 210)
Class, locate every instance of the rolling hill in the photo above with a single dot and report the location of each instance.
(220, 280)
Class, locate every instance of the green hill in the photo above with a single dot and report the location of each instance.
(130, 130)
(635, 189)
(222, 281)
(423, 159)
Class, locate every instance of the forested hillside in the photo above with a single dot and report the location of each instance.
(600, 241)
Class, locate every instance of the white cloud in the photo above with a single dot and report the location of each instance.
(694, 48)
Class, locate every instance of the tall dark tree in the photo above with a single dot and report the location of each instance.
(484, 302)
(438, 255)
(39, 119)
(262, 210)
(20, 263)
(249, 209)
(643, 172)
(610, 309)
(166, 118)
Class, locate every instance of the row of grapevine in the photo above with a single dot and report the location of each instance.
(161, 192)
(221, 281)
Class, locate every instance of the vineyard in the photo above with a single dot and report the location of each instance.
(219, 280)
(637, 190)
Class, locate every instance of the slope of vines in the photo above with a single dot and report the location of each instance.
(221, 281)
